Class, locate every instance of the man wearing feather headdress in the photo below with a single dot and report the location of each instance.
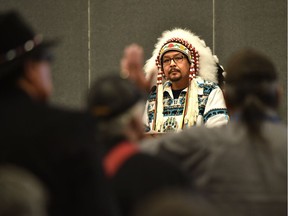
(186, 92)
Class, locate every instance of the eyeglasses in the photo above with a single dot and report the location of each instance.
(176, 59)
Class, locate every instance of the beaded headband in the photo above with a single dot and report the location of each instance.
(176, 47)
(186, 48)
(18, 51)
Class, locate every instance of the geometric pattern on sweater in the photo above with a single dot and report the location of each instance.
(174, 107)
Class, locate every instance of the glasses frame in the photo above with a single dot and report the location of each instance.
(176, 59)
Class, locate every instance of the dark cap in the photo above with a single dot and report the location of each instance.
(17, 41)
(112, 95)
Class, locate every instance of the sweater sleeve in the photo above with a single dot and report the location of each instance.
(215, 113)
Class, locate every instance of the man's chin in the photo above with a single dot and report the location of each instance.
(174, 78)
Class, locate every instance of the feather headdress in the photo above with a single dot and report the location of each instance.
(207, 62)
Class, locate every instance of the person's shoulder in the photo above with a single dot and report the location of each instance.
(277, 133)
(151, 162)
(167, 84)
(156, 167)
(64, 119)
(202, 82)
(153, 89)
(207, 86)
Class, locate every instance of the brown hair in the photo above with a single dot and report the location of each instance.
(251, 87)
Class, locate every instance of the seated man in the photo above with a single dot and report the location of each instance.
(186, 93)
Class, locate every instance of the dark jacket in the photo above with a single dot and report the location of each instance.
(138, 176)
(57, 146)
(242, 176)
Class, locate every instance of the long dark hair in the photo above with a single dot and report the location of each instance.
(251, 88)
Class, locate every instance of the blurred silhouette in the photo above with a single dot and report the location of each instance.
(118, 105)
(54, 144)
(176, 203)
(21, 193)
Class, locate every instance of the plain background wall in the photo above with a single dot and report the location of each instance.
(94, 33)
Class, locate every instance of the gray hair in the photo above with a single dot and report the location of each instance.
(22, 194)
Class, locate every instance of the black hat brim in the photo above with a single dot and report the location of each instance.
(42, 49)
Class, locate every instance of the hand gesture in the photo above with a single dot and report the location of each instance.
(132, 66)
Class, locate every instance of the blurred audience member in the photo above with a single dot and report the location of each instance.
(21, 193)
(118, 105)
(53, 144)
(243, 164)
(176, 203)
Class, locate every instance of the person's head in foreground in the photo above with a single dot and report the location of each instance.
(24, 58)
(252, 91)
(118, 104)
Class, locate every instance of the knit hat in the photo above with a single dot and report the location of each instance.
(202, 63)
(112, 95)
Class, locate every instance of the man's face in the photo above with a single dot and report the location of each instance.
(38, 74)
(175, 66)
